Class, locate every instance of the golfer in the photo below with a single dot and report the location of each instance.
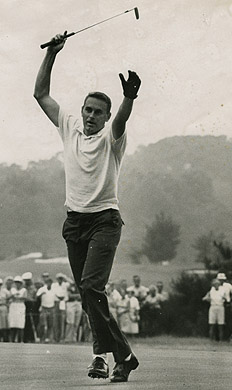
(93, 152)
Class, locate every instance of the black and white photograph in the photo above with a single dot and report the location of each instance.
(116, 194)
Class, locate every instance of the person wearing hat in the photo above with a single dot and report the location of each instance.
(17, 310)
(227, 287)
(32, 309)
(61, 297)
(4, 296)
(216, 318)
(45, 276)
(47, 305)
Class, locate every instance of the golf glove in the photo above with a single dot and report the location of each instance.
(131, 85)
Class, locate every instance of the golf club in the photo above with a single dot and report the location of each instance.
(135, 10)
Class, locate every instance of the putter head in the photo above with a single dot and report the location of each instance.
(136, 12)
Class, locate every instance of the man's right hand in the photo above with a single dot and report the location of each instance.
(59, 42)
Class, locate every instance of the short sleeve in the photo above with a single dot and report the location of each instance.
(67, 123)
(39, 292)
(119, 145)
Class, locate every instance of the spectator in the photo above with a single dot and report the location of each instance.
(8, 283)
(123, 284)
(134, 309)
(113, 296)
(216, 297)
(38, 284)
(4, 296)
(44, 277)
(150, 312)
(47, 297)
(140, 292)
(32, 314)
(73, 313)
(123, 309)
(160, 293)
(61, 296)
(227, 287)
(17, 310)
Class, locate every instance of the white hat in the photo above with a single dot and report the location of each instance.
(1, 281)
(18, 279)
(27, 276)
(60, 275)
(221, 276)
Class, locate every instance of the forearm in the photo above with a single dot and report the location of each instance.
(124, 110)
(42, 84)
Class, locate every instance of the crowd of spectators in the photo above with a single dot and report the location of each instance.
(51, 311)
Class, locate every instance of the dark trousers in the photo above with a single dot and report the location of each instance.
(92, 239)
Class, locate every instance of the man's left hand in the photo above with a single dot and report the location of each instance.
(131, 85)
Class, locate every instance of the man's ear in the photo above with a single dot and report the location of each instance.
(82, 110)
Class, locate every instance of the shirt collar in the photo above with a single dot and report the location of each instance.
(96, 135)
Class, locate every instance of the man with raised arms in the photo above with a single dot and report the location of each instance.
(93, 152)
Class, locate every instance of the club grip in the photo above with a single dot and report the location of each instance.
(136, 12)
(52, 43)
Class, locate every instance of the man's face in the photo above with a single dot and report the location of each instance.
(95, 115)
(216, 284)
(136, 281)
(9, 284)
(60, 280)
(49, 283)
(159, 286)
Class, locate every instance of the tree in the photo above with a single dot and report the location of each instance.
(214, 252)
(161, 239)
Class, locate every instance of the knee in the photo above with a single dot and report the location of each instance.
(87, 287)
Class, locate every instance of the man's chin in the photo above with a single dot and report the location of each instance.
(90, 129)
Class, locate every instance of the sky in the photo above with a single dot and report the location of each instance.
(181, 49)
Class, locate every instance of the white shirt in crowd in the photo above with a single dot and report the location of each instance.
(47, 297)
(227, 288)
(60, 290)
(139, 292)
(217, 297)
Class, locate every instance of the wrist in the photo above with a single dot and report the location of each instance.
(130, 96)
(50, 53)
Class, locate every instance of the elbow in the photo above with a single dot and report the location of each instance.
(36, 95)
(39, 95)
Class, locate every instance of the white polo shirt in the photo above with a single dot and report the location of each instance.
(47, 297)
(217, 297)
(92, 165)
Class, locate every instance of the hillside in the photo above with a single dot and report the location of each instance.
(188, 178)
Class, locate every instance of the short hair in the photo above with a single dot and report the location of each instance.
(101, 96)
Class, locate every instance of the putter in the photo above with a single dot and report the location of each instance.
(51, 43)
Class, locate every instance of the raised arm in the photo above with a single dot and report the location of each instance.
(43, 80)
(130, 89)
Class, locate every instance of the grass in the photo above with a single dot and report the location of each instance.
(182, 343)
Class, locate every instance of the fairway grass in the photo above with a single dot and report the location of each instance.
(186, 343)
